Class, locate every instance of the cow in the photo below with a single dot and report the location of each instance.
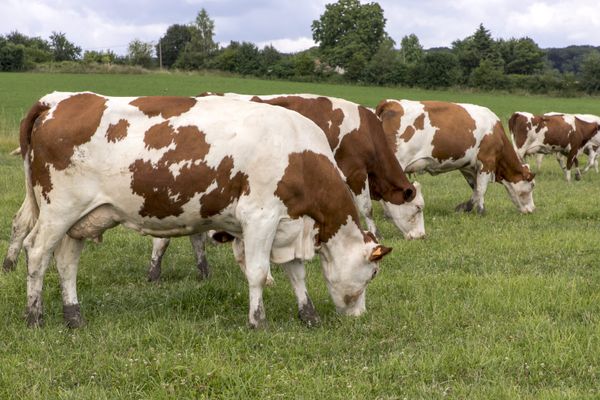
(563, 134)
(171, 166)
(438, 137)
(359, 145)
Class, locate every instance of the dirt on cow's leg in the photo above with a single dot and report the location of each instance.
(199, 245)
(159, 247)
(306, 310)
(467, 206)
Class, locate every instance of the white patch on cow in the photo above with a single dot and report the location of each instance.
(408, 217)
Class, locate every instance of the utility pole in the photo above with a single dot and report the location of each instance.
(160, 55)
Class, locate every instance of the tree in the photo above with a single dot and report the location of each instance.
(62, 49)
(12, 56)
(487, 76)
(438, 69)
(349, 33)
(590, 72)
(247, 59)
(386, 67)
(411, 49)
(140, 53)
(201, 45)
(521, 56)
(100, 57)
(173, 43)
(479, 46)
(269, 57)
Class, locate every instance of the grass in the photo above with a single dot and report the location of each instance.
(503, 306)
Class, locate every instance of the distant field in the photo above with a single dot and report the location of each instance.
(503, 306)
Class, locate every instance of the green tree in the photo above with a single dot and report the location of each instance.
(349, 33)
(247, 59)
(488, 76)
(438, 69)
(590, 72)
(140, 53)
(12, 56)
(173, 43)
(411, 49)
(100, 57)
(62, 49)
(479, 46)
(201, 46)
(386, 67)
(269, 57)
(521, 56)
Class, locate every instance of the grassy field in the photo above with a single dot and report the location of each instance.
(503, 306)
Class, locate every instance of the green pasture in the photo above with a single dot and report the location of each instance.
(503, 306)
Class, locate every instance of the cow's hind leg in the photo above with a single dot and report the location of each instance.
(567, 170)
(467, 206)
(539, 158)
(159, 247)
(297, 276)
(198, 241)
(21, 226)
(39, 245)
(67, 256)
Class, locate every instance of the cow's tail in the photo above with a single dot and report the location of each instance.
(25, 219)
(26, 129)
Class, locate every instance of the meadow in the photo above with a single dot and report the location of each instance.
(500, 306)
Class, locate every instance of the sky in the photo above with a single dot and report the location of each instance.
(286, 24)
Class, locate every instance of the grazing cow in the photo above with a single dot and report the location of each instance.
(564, 134)
(438, 137)
(360, 149)
(171, 166)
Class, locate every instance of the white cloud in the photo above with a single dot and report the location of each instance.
(289, 45)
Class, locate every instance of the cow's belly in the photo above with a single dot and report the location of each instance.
(434, 166)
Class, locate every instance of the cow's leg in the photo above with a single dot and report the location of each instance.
(39, 245)
(297, 276)
(159, 247)
(259, 233)
(467, 206)
(365, 206)
(67, 256)
(238, 253)
(560, 159)
(539, 158)
(591, 160)
(198, 241)
(577, 171)
(21, 226)
(483, 179)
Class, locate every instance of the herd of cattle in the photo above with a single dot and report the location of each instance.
(282, 177)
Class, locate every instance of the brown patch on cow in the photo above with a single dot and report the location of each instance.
(559, 131)
(53, 142)
(390, 113)
(408, 133)
(165, 193)
(519, 125)
(166, 106)
(118, 131)
(159, 136)
(498, 156)
(455, 127)
(320, 110)
(586, 129)
(311, 185)
(419, 123)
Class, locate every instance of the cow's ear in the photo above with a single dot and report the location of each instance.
(379, 252)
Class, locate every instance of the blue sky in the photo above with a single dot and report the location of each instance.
(102, 24)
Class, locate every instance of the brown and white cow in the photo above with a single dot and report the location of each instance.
(438, 137)
(171, 166)
(359, 145)
(563, 134)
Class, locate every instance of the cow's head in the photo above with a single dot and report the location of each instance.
(520, 188)
(408, 217)
(350, 260)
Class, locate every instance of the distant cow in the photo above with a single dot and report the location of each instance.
(438, 137)
(170, 166)
(563, 134)
(360, 149)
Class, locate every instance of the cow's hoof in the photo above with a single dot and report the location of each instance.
(153, 274)
(270, 281)
(203, 270)
(9, 265)
(34, 319)
(308, 315)
(258, 318)
(467, 206)
(72, 316)
(480, 210)
(577, 177)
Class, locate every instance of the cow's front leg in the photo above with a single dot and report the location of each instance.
(539, 158)
(577, 171)
(198, 241)
(467, 206)
(67, 257)
(258, 235)
(566, 169)
(297, 276)
(238, 253)
(365, 206)
(159, 247)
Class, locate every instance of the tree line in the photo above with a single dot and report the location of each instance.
(353, 46)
